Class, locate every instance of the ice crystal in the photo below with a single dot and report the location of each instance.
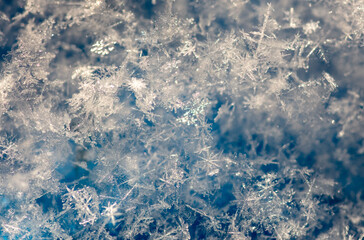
(219, 119)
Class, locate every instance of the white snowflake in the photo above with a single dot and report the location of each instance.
(136, 84)
(311, 27)
(111, 212)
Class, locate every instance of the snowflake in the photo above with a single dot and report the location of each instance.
(111, 212)
(136, 84)
(311, 27)
(188, 49)
(84, 202)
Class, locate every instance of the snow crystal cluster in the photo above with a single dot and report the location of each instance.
(181, 119)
